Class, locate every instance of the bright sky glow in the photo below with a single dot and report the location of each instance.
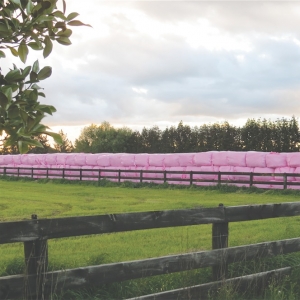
(148, 63)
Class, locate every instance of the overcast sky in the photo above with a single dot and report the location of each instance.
(148, 63)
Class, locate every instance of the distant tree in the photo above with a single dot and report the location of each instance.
(103, 138)
(65, 146)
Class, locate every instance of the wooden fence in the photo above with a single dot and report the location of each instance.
(37, 283)
(187, 177)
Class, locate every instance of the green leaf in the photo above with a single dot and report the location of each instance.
(3, 100)
(48, 47)
(16, 2)
(13, 75)
(23, 51)
(60, 15)
(29, 7)
(64, 41)
(56, 137)
(33, 96)
(35, 87)
(36, 67)
(42, 94)
(2, 54)
(72, 16)
(44, 73)
(65, 33)
(35, 46)
(23, 115)
(8, 93)
(23, 147)
(26, 71)
(49, 109)
(13, 51)
(33, 77)
(77, 23)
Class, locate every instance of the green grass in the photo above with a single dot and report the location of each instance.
(50, 199)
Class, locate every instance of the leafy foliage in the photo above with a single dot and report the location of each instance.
(281, 135)
(29, 25)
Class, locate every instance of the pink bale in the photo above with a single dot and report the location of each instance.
(256, 159)
(156, 160)
(293, 160)
(16, 159)
(242, 170)
(50, 159)
(171, 160)
(115, 160)
(70, 159)
(176, 176)
(91, 159)
(128, 160)
(7, 159)
(79, 160)
(103, 161)
(194, 169)
(276, 160)
(141, 160)
(282, 171)
(219, 158)
(236, 159)
(209, 169)
(226, 169)
(88, 173)
(110, 171)
(186, 159)
(61, 158)
(263, 170)
(297, 171)
(203, 159)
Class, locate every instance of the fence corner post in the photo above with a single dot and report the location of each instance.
(220, 240)
(36, 264)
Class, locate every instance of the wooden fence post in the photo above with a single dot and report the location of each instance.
(36, 263)
(141, 176)
(251, 179)
(284, 181)
(219, 177)
(191, 178)
(220, 240)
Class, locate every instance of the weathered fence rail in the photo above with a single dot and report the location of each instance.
(34, 233)
(187, 177)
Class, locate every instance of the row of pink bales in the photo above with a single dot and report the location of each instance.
(212, 161)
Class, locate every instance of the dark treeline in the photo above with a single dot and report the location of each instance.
(281, 135)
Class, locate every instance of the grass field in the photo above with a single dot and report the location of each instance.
(48, 199)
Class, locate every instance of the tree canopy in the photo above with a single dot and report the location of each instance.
(27, 25)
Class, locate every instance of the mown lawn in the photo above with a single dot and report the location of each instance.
(19, 200)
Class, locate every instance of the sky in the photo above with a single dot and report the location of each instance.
(146, 63)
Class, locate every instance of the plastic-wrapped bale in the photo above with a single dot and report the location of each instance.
(89, 173)
(219, 158)
(61, 159)
(128, 160)
(103, 161)
(202, 159)
(297, 172)
(110, 172)
(242, 170)
(80, 159)
(177, 176)
(283, 170)
(156, 160)
(196, 177)
(256, 159)
(226, 169)
(264, 177)
(156, 173)
(91, 159)
(16, 159)
(293, 160)
(8, 159)
(73, 174)
(50, 159)
(186, 159)
(56, 171)
(276, 160)
(171, 160)
(24, 170)
(11, 170)
(236, 159)
(141, 160)
(193, 169)
(115, 160)
(70, 159)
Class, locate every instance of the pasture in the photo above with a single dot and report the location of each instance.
(48, 199)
